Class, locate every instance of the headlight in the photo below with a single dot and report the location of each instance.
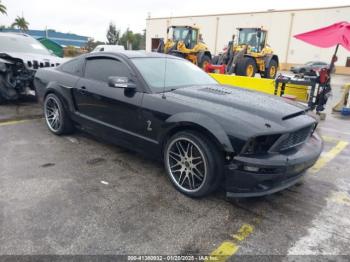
(259, 145)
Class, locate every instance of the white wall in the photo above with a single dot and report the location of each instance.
(278, 23)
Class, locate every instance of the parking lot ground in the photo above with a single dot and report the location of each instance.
(79, 195)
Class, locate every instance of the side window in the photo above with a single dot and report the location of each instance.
(194, 36)
(74, 67)
(101, 68)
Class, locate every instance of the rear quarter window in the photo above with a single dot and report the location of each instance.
(73, 67)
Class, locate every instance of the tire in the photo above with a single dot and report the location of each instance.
(271, 70)
(2, 100)
(200, 171)
(56, 116)
(204, 61)
(246, 67)
(215, 60)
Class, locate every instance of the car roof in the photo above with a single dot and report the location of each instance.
(131, 54)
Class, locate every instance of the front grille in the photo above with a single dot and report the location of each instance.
(296, 138)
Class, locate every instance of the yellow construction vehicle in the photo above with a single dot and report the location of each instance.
(249, 55)
(186, 42)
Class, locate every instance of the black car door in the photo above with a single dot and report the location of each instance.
(106, 108)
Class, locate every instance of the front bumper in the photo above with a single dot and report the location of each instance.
(272, 172)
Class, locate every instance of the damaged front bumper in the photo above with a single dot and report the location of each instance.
(267, 174)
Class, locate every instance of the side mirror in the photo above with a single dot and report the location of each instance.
(121, 82)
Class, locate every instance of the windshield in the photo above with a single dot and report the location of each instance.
(249, 36)
(179, 33)
(23, 44)
(179, 73)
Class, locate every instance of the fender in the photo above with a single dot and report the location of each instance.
(269, 57)
(202, 121)
(254, 58)
(63, 92)
(6, 61)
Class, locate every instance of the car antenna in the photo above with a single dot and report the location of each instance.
(165, 65)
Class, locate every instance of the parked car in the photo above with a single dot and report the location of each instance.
(20, 57)
(108, 48)
(310, 68)
(206, 134)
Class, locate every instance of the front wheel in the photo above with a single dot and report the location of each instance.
(193, 164)
(56, 116)
(246, 67)
(271, 70)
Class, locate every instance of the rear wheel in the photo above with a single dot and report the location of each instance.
(204, 61)
(246, 67)
(193, 164)
(56, 116)
(271, 70)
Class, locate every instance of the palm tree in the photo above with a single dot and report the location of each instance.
(2, 8)
(21, 23)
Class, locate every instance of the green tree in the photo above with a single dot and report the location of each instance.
(139, 42)
(127, 39)
(3, 8)
(21, 23)
(112, 34)
(134, 41)
(91, 44)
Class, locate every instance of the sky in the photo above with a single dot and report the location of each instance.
(91, 18)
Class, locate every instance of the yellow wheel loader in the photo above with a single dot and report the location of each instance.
(249, 55)
(186, 42)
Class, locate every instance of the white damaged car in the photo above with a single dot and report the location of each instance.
(20, 56)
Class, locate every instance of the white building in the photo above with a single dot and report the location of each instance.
(217, 30)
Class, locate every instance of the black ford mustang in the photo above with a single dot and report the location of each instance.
(207, 134)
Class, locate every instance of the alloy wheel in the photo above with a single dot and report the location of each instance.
(52, 114)
(272, 71)
(186, 164)
(250, 70)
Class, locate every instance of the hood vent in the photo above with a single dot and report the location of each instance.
(294, 115)
(215, 91)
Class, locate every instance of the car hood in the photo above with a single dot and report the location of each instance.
(250, 108)
(31, 57)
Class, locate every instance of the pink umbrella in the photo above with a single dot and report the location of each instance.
(336, 34)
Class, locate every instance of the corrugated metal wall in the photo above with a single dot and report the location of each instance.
(217, 30)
